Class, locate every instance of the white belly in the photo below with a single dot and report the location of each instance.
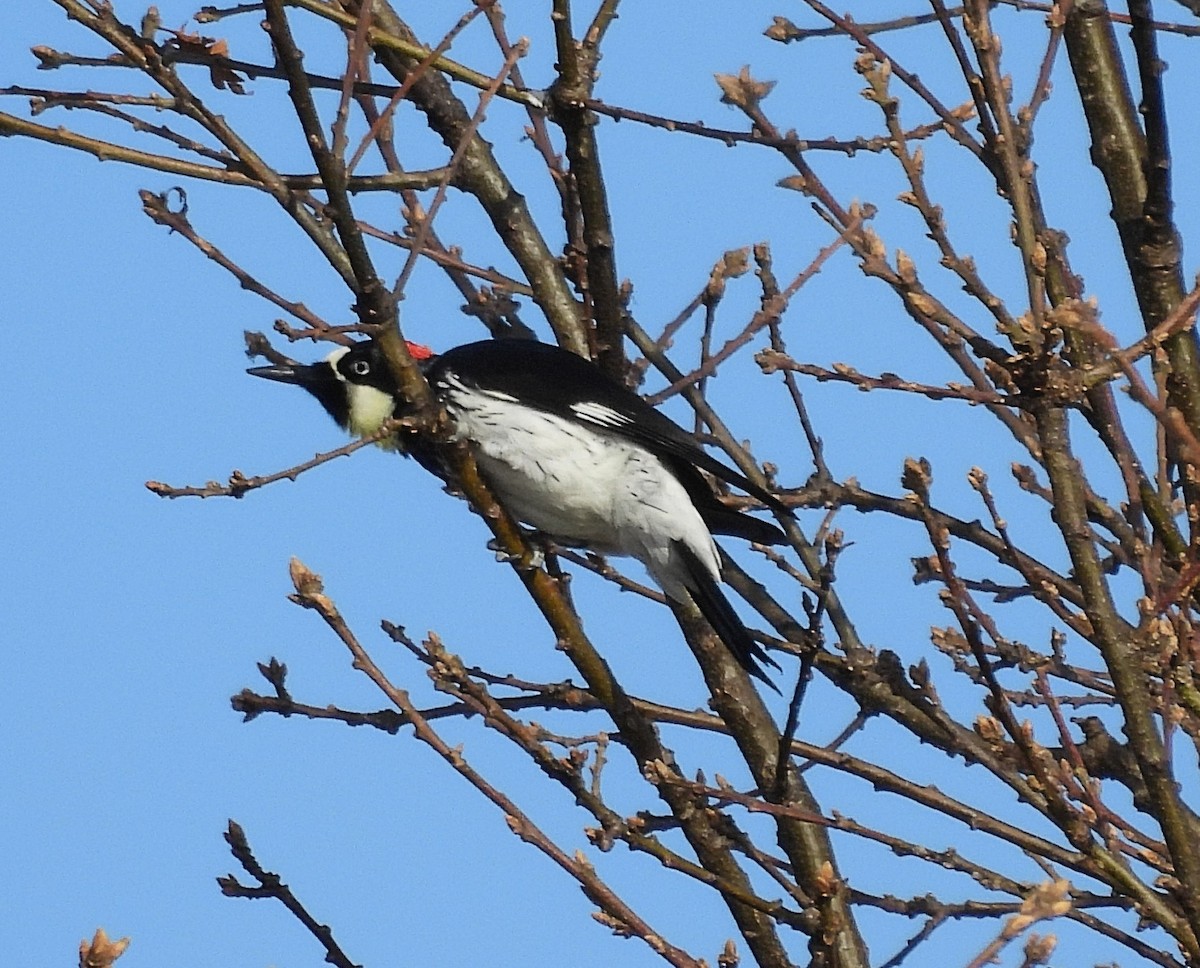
(583, 486)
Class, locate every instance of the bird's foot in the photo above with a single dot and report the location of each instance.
(535, 561)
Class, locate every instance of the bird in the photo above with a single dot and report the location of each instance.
(571, 453)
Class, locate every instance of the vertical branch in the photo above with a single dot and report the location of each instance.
(569, 97)
(1160, 251)
(1047, 270)
(836, 941)
(356, 65)
(838, 944)
(973, 81)
(1117, 642)
(481, 176)
(1012, 149)
(375, 304)
(1137, 177)
(425, 223)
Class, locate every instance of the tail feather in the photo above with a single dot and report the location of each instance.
(723, 520)
(717, 611)
(719, 518)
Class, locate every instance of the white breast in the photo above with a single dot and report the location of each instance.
(580, 485)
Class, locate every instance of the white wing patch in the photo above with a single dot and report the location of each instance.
(598, 413)
(451, 381)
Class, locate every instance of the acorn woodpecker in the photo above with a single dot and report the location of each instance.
(569, 452)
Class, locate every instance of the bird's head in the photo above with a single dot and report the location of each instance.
(353, 384)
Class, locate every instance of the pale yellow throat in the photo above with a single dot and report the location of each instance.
(369, 408)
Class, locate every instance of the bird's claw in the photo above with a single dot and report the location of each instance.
(536, 559)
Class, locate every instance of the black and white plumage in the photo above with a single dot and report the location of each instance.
(571, 453)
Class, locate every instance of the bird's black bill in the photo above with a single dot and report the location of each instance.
(283, 373)
(319, 379)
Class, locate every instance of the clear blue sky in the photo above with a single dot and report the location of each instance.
(129, 621)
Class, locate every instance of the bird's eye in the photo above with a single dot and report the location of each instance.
(360, 367)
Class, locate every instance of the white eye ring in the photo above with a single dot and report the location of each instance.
(360, 367)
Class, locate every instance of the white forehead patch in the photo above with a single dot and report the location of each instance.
(598, 413)
(333, 358)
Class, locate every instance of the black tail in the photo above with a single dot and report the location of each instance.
(719, 518)
(723, 520)
(717, 611)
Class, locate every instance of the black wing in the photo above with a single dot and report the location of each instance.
(557, 381)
